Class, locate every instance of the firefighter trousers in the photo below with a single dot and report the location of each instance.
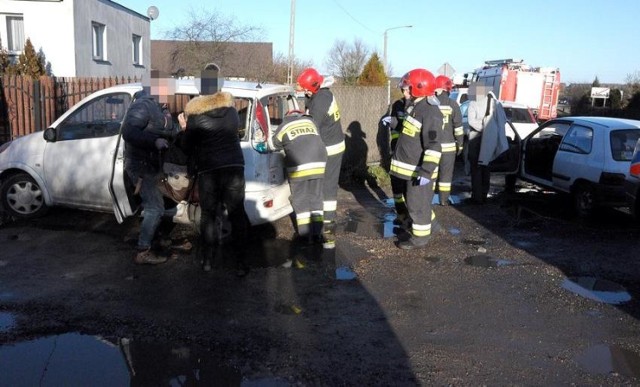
(445, 176)
(419, 199)
(306, 200)
(330, 189)
(398, 189)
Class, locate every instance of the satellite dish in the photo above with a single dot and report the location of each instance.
(153, 12)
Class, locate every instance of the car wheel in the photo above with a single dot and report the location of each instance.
(584, 200)
(22, 197)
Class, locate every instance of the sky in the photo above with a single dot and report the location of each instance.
(584, 39)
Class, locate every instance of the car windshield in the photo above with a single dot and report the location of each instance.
(623, 143)
(519, 115)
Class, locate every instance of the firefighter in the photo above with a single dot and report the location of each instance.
(393, 122)
(321, 105)
(418, 153)
(305, 161)
(452, 137)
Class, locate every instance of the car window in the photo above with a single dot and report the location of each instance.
(463, 109)
(622, 143)
(243, 106)
(100, 117)
(579, 139)
(277, 107)
(519, 115)
(553, 129)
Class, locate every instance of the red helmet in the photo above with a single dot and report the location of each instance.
(444, 82)
(309, 79)
(421, 83)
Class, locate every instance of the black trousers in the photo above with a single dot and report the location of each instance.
(480, 176)
(226, 186)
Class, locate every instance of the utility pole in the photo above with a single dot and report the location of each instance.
(292, 30)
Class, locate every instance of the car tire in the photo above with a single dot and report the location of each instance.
(584, 200)
(22, 197)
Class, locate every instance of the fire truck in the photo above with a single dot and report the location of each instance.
(513, 80)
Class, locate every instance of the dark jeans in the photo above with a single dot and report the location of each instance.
(152, 199)
(226, 186)
(480, 176)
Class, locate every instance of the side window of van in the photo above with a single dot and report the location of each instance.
(243, 106)
(277, 107)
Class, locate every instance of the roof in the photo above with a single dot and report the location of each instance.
(610, 122)
(236, 59)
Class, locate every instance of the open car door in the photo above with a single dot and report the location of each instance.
(509, 161)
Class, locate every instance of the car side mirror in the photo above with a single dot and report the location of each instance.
(49, 135)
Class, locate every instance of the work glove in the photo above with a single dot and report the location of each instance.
(386, 121)
(421, 181)
(161, 143)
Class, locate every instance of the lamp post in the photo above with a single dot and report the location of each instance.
(384, 59)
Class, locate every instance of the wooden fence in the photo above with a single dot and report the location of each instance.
(28, 105)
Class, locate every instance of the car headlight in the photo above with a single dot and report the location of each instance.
(5, 146)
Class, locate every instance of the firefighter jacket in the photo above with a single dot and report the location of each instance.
(323, 109)
(452, 133)
(418, 150)
(305, 153)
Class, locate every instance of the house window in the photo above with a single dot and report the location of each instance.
(15, 33)
(137, 49)
(99, 41)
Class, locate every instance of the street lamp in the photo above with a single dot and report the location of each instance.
(384, 57)
(386, 64)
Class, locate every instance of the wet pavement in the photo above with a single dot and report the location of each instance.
(514, 292)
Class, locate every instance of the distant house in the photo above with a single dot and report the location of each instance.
(236, 59)
(79, 38)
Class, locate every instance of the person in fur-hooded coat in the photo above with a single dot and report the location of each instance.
(211, 139)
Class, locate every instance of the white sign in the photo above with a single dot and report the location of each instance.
(600, 92)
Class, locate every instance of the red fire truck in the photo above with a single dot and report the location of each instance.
(536, 87)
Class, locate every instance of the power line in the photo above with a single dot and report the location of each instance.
(354, 19)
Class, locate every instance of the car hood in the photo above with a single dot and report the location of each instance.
(23, 151)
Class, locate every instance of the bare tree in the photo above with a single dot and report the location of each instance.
(207, 35)
(347, 60)
(280, 68)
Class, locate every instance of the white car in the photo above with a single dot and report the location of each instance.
(586, 157)
(78, 161)
(520, 116)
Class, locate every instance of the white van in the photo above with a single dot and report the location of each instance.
(79, 161)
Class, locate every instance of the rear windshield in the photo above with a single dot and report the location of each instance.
(519, 116)
(622, 143)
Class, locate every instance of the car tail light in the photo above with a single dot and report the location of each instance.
(608, 178)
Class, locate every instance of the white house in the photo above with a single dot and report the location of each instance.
(80, 38)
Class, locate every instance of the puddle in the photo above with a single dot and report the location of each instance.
(80, 360)
(345, 273)
(7, 321)
(597, 289)
(454, 231)
(606, 359)
(486, 261)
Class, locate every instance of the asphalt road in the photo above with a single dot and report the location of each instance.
(514, 292)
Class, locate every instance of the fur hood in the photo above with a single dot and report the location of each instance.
(206, 103)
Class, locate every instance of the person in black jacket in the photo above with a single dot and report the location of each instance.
(321, 105)
(305, 160)
(147, 130)
(211, 139)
